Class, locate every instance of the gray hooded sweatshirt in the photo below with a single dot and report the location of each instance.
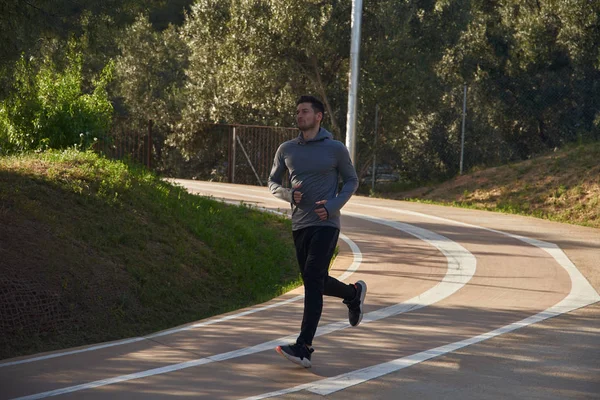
(317, 165)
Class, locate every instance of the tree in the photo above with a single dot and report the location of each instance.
(252, 59)
(28, 27)
(532, 86)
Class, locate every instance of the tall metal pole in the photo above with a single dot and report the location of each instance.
(149, 155)
(374, 170)
(233, 140)
(462, 140)
(353, 84)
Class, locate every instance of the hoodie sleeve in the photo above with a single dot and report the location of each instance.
(349, 179)
(276, 175)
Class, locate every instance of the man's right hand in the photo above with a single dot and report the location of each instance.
(297, 194)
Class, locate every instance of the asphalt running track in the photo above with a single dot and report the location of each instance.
(461, 304)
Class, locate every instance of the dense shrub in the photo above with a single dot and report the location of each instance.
(49, 108)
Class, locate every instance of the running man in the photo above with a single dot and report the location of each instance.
(315, 162)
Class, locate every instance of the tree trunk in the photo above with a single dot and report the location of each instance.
(337, 133)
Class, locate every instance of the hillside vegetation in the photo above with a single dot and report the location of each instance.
(561, 186)
(93, 250)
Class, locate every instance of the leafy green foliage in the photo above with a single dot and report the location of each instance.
(531, 72)
(49, 108)
(150, 78)
(39, 28)
(150, 72)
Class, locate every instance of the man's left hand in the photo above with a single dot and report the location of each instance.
(322, 211)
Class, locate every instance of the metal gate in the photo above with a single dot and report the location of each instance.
(252, 149)
(217, 152)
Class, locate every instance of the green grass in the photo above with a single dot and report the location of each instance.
(103, 250)
(562, 186)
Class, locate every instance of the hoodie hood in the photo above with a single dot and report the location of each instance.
(321, 135)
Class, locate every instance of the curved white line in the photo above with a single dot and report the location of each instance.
(461, 267)
(583, 288)
(582, 294)
(358, 258)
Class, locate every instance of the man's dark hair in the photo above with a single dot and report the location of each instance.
(316, 104)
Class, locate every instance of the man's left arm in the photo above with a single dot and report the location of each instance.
(349, 179)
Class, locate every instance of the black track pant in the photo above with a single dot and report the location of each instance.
(314, 248)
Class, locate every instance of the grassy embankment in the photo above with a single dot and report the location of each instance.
(93, 250)
(562, 186)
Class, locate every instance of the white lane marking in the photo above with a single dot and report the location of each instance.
(66, 353)
(357, 260)
(582, 294)
(331, 385)
(461, 268)
(585, 289)
(117, 379)
(573, 301)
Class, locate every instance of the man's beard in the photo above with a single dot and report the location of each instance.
(307, 127)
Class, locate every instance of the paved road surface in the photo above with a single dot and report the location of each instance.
(461, 304)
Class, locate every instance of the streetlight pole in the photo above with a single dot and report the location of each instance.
(374, 170)
(462, 138)
(353, 84)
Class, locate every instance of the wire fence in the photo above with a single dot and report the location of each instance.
(127, 141)
(217, 152)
